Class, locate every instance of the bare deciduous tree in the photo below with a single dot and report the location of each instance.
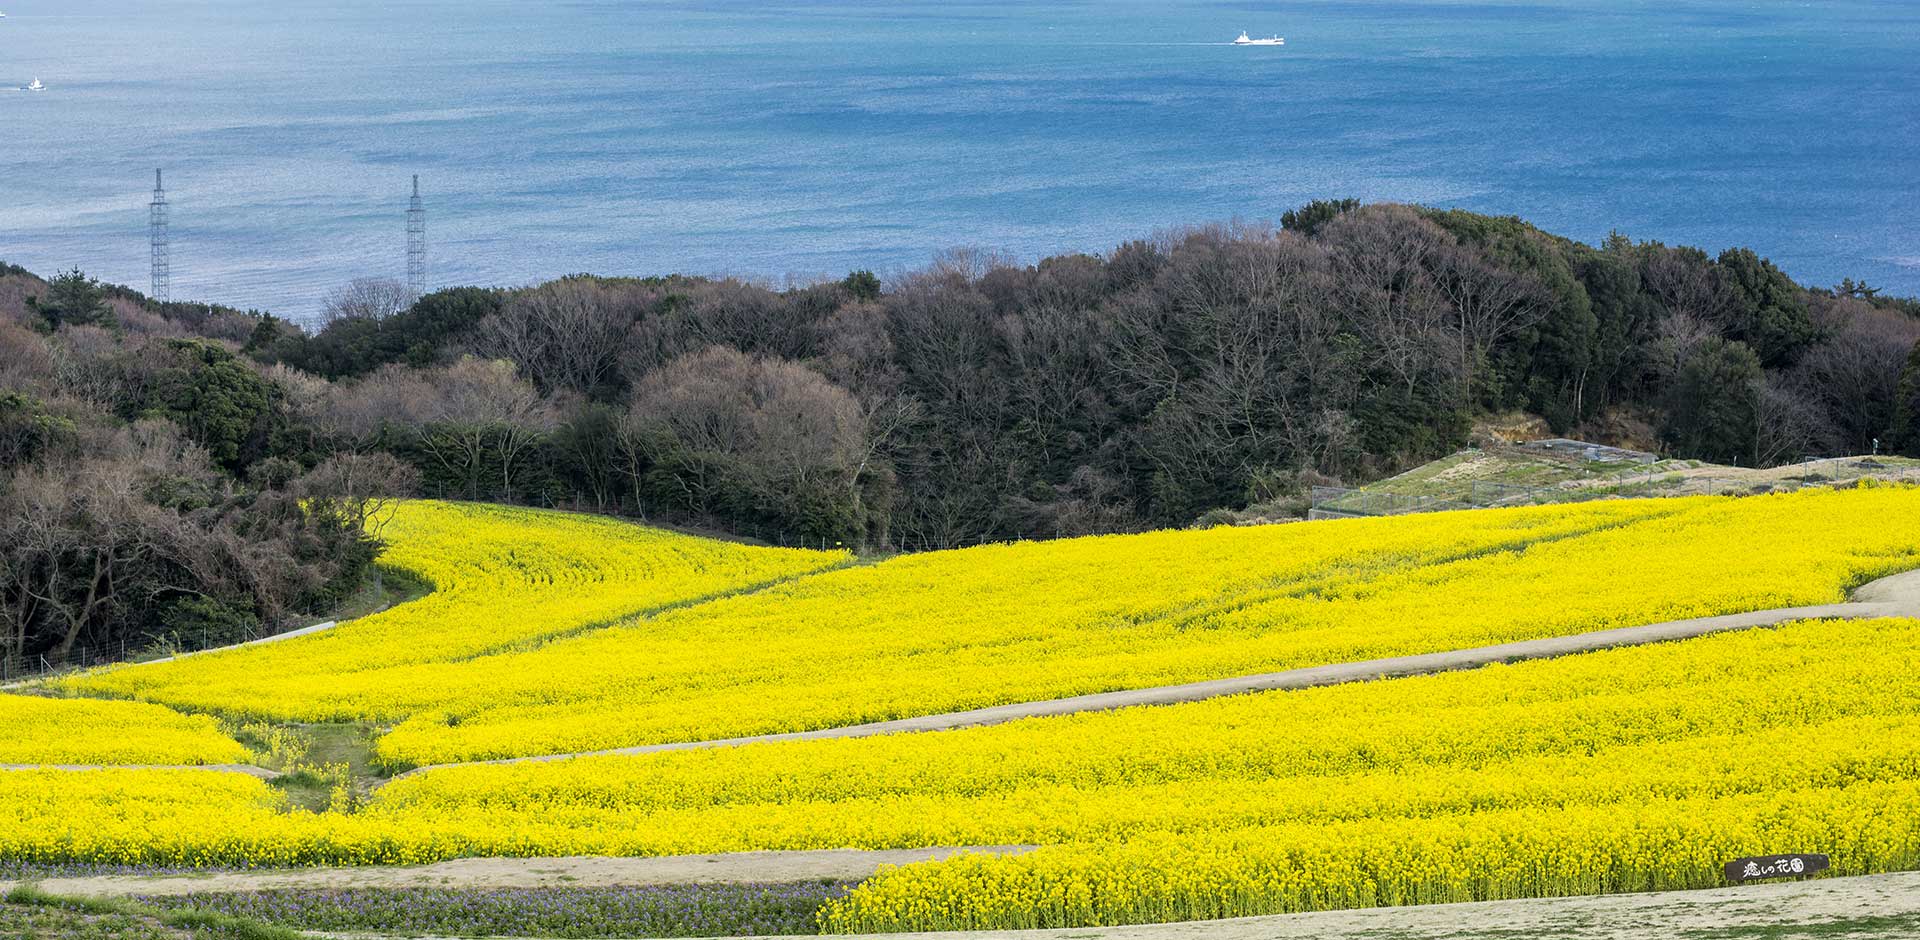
(1381, 261)
(367, 298)
(366, 488)
(90, 364)
(1789, 427)
(482, 419)
(1490, 303)
(566, 335)
(1683, 283)
(25, 361)
(782, 418)
(358, 414)
(1854, 377)
(778, 429)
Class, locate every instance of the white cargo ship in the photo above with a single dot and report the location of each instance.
(1246, 40)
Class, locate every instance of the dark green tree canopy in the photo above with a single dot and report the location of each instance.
(219, 400)
(73, 299)
(353, 346)
(862, 285)
(1713, 405)
(28, 431)
(1906, 407)
(1766, 309)
(1308, 218)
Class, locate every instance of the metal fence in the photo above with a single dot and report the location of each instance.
(21, 667)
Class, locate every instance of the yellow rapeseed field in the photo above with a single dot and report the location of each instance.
(502, 577)
(37, 730)
(499, 662)
(1635, 769)
(1000, 624)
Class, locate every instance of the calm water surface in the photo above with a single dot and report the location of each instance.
(796, 139)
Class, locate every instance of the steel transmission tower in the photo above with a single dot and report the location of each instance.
(416, 243)
(158, 242)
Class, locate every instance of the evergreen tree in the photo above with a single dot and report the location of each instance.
(1905, 436)
(73, 299)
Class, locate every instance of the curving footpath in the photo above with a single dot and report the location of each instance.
(248, 769)
(275, 638)
(1868, 907)
(1626, 917)
(570, 872)
(1895, 596)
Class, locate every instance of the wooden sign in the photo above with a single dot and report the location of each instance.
(1775, 866)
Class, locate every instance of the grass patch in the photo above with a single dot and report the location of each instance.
(388, 587)
(28, 912)
(1893, 927)
(337, 770)
(322, 766)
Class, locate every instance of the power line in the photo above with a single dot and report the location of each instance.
(416, 242)
(159, 244)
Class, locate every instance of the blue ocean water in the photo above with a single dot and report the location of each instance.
(794, 139)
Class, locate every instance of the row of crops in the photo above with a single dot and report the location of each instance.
(1637, 769)
(36, 730)
(1634, 769)
(949, 631)
(503, 579)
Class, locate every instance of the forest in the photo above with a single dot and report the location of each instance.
(164, 467)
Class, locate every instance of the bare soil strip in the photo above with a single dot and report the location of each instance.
(1896, 596)
(574, 872)
(248, 769)
(1873, 907)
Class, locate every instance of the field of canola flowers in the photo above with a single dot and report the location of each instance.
(502, 578)
(1636, 769)
(461, 678)
(78, 731)
(999, 624)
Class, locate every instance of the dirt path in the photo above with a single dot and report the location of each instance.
(1884, 907)
(1876, 907)
(276, 638)
(248, 769)
(576, 872)
(1896, 596)
(1881, 907)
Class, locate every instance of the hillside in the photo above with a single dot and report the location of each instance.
(973, 652)
(1560, 471)
(1635, 768)
(980, 399)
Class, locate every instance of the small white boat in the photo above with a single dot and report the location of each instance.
(1246, 40)
(34, 85)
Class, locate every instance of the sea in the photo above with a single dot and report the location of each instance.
(787, 141)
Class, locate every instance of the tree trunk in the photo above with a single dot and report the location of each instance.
(78, 622)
